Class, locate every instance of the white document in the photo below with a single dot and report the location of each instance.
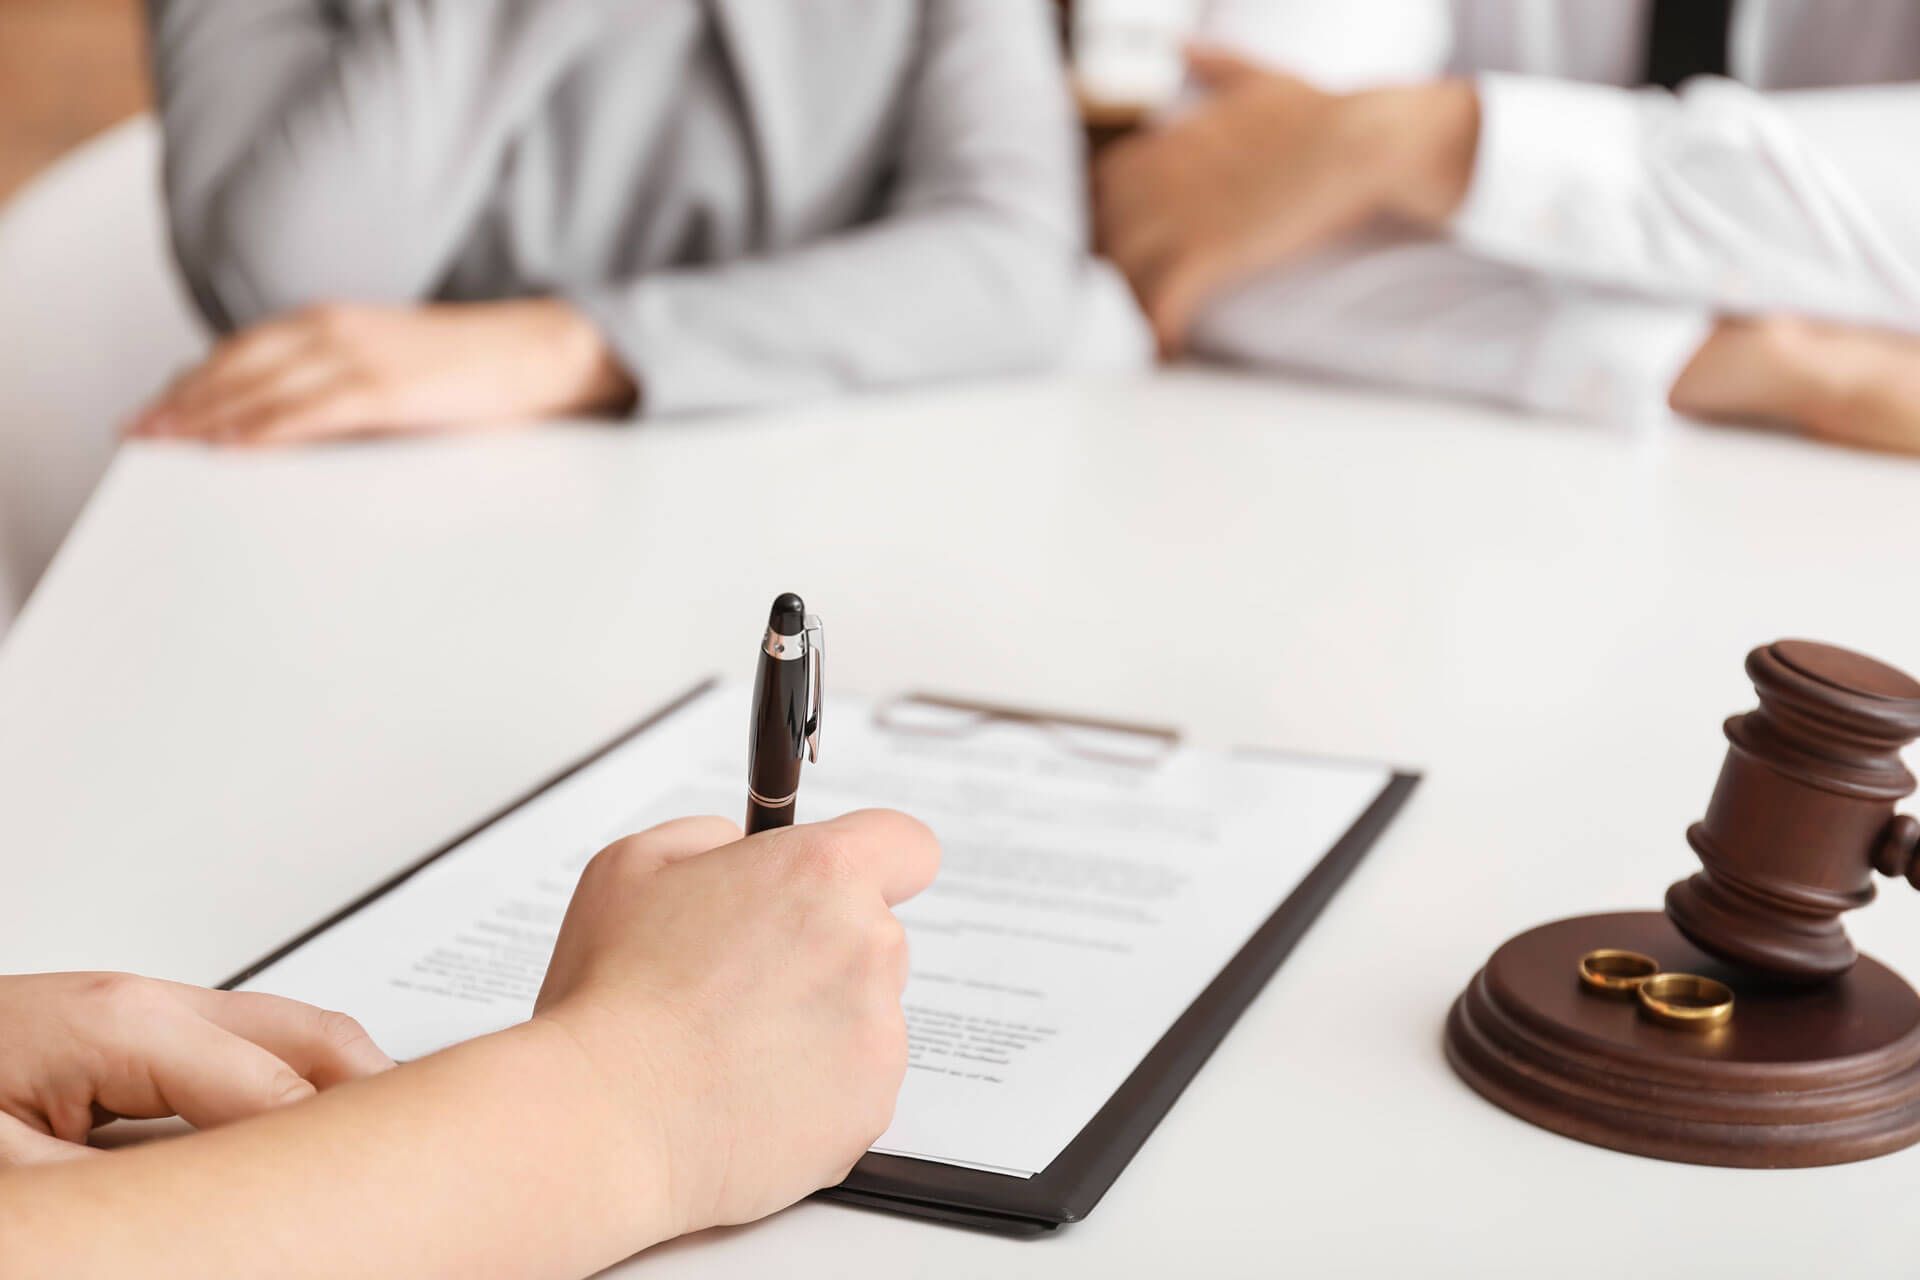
(1092, 885)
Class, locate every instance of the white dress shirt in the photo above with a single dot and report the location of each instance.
(1605, 226)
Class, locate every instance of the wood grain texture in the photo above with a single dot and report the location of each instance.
(1800, 1076)
(1803, 812)
(68, 69)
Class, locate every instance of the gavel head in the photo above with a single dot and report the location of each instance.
(1803, 813)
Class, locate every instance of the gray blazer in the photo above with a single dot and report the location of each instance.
(754, 199)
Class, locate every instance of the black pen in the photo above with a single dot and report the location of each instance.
(786, 712)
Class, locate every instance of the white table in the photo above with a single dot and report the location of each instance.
(252, 686)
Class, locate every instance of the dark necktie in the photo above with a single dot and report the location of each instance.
(1687, 38)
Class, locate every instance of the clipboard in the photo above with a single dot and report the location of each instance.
(1068, 1188)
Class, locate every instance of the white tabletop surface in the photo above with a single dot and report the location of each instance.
(254, 685)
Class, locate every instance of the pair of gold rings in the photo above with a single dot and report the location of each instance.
(1677, 999)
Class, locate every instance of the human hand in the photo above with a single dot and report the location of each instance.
(334, 371)
(84, 1048)
(741, 999)
(1843, 384)
(1267, 170)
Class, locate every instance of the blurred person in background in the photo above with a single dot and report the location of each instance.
(430, 214)
(1589, 209)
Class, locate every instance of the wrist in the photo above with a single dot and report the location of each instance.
(612, 1099)
(1796, 368)
(1761, 369)
(1427, 138)
(621, 1062)
(580, 372)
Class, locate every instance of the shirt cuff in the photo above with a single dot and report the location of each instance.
(1613, 357)
(651, 328)
(605, 313)
(1551, 155)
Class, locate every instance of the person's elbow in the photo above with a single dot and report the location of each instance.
(1029, 276)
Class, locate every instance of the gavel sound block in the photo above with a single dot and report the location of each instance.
(1820, 1063)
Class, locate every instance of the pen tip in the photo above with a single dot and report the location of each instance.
(788, 616)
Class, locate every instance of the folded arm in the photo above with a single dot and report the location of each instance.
(1722, 197)
(968, 266)
(309, 160)
(1558, 246)
(1748, 202)
(1408, 311)
(1430, 316)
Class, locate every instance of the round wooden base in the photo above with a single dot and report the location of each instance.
(1800, 1076)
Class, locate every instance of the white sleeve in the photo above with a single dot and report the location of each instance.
(1426, 315)
(1722, 197)
(1339, 45)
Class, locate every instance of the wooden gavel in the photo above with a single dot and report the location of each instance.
(1803, 813)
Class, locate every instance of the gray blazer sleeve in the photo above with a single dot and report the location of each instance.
(969, 269)
(307, 159)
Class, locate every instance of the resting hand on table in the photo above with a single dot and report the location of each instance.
(338, 370)
(1840, 383)
(84, 1048)
(1267, 170)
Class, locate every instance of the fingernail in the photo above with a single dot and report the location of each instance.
(298, 1090)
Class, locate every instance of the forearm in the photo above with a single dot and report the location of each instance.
(503, 1156)
(1777, 214)
(307, 162)
(914, 299)
(1406, 310)
(1721, 197)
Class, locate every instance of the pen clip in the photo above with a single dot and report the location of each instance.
(816, 683)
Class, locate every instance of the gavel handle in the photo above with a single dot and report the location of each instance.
(1894, 855)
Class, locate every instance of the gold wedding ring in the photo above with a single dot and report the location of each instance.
(1686, 1000)
(1616, 973)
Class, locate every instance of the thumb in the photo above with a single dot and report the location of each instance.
(1219, 69)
